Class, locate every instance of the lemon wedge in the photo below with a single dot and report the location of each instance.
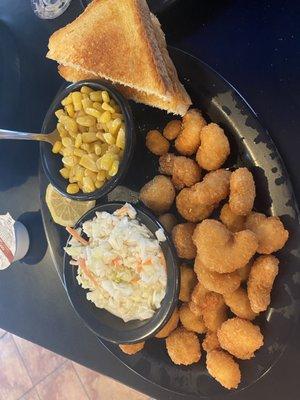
(64, 211)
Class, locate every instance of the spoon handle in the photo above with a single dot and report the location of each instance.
(6, 134)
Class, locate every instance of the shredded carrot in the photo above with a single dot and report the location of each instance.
(76, 236)
(117, 261)
(135, 280)
(88, 273)
(148, 261)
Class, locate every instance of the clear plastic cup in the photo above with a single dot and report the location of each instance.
(22, 241)
(49, 9)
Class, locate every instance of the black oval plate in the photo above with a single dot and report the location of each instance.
(156, 6)
(252, 147)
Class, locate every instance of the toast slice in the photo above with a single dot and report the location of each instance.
(124, 44)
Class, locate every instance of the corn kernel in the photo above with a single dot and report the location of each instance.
(69, 123)
(68, 151)
(86, 120)
(114, 168)
(65, 172)
(113, 149)
(61, 130)
(67, 141)
(85, 146)
(72, 188)
(78, 172)
(108, 137)
(56, 147)
(100, 136)
(89, 137)
(79, 152)
(78, 140)
(92, 111)
(88, 184)
(93, 156)
(70, 161)
(83, 128)
(91, 174)
(86, 103)
(105, 117)
(67, 100)
(97, 149)
(99, 184)
(104, 148)
(89, 163)
(118, 115)
(80, 113)
(96, 96)
(105, 162)
(115, 126)
(120, 142)
(70, 110)
(76, 98)
(86, 89)
(101, 176)
(108, 107)
(105, 96)
(98, 106)
(59, 112)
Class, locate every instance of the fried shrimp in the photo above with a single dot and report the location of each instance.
(188, 140)
(242, 191)
(232, 221)
(190, 321)
(219, 283)
(214, 148)
(170, 325)
(188, 281)
(158, 194)
(223, 368)
(214, 311)
(182, 239)
(262, 275)
(210, 341)
(172, 129)
(221, 250)
(240, 337)
(189, 208)
(156, 143)
(239, 304)
(166, 163)
(197, 299)
(168, 221)
(183, 347)
(245, 271)
(270, 232)
(132, 348)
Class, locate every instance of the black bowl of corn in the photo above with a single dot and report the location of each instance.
(96, 140)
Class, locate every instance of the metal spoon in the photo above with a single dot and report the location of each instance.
(41, 137)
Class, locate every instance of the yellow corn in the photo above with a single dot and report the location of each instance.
(92, 111)
(98, 106)
(78, 140)
(88, 184)
(99, 184)
(65, 172)
(86, 89)
(83, 128)
(89, 137)
(89, 163)
(97, 149)
(91, 174)
(120, 142)
(69, 123)
(101, 176)
(72, 188)
(108, 107)
(78, 172)
(100, 136)
(86, 103)
(70, 110)
(108, 137)
(93, 156)
(86, 120)
(57, 147)
(85, 146)
(59, 112)
(76, 98)
(118, 115)
(113, 149)
(70, 161)
(67, 100)
(67, 141)
(96, 96)
(105, 117)
(114, 168)
(115, 126)
(105, 162)
(79, 152)
(61, 130)
(105, 96)
(68, 151)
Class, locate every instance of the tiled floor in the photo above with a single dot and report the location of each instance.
(30, 372)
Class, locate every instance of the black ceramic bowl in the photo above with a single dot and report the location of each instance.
(106, 325)
(52, 163)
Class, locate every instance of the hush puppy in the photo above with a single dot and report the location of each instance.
(188, 140)
(188, 281)
(223, 368)
(156, 143)
(220, 250)
(182, 239)
(232, 221)
(190, 321)
(170, 325)
(172, 129)
(214, 311)
(132, 348)
(183, 347)
(240, 337)
(210, 341)
(219, 283)
(242, 191)
(270, 232)
(158, 194)
(214, 148)
(239, 304)
(168, 221)
(262, 275)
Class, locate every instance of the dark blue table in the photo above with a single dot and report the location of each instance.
(254, 45)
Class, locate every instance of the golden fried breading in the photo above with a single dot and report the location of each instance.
(244, 271)
(214, 148)
(240, 337)
(166, 163)
(221, 250)
(214, 311)
(186, 172)
(190, 321)
(188, 281)
(158, 194)
(239, 304)
(270, 232)
(183, 347)
(242, 191)
(262, 275)
(168, 221)
(188, 140)
(197, 299)
(156, 143)
(132, 348)
(219, 283)
(182, 239)
(189, 208)
(210, 341)
(223, 368)
(170, 325)
(172, 129)
(232, 221)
